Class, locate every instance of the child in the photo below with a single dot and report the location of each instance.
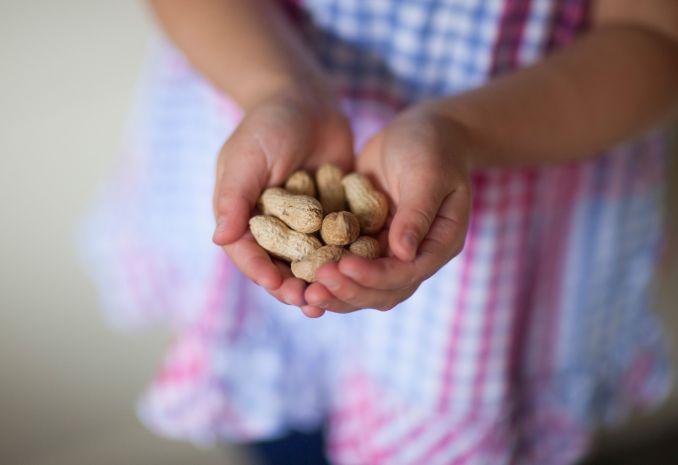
(493, 126)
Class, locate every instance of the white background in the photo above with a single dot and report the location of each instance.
(68, 383)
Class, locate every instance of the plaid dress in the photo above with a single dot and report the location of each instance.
(540, 330)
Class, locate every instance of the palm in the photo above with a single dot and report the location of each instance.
(270, 143)
(420, 164)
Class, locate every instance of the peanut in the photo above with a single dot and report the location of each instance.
(305, 269)
(365, 202)
(340, 228)
(300, 212)
(330, 190)
(275, 237)
(300, 183)
(365, 246)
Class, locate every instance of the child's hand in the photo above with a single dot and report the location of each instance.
(275, 138)
(421, 163)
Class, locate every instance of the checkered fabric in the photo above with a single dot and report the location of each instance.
(539, 331)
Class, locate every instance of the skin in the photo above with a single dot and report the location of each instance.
(249, 50)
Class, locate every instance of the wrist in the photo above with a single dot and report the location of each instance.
(454, 125)
(309, 94)
(460, 126)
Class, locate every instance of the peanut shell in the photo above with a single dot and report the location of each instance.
(305, 269)
(330, 190)
(276, 238)
(365, 202)
(300, 212)
(340, 228)
(365, 246)
(300, 183)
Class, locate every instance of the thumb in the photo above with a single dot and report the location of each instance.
(420, 198)
(238, 186)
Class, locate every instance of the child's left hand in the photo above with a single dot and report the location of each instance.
(421, 162)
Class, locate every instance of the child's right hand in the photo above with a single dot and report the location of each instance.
(276, 137)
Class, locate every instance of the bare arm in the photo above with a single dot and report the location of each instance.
(613, 83)
(247, 48)
(252, 51)
(619, 79)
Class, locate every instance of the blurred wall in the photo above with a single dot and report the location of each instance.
(68, 384)
(68, 69)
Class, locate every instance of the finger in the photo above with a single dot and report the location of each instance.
(350, 293)
(447, 234)
(370, 159)
(419, 199)
(444, 240)
(334, 144)
(291, 291)
(254, 262)
(312, 311)
(241, 178)
(387, 273)
(318, 295)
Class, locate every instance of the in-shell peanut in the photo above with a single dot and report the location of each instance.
(276, 238)
(330, 190)
(300, 212)
(365, 246)
(365, 202)
(305, 269)
(340, 228)
(300, 183)
(292, 215)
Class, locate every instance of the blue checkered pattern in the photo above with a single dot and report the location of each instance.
(414, 50)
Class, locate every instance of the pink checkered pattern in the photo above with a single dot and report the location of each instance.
(539, 331)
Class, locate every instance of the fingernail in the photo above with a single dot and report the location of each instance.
(411, 242)
(411, 239)
(220, 227)
(353, 274)
(331, 283)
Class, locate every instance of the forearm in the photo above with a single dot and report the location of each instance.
(609, 86)
(247, 48)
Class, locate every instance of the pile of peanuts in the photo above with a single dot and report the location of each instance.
(309, 224)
